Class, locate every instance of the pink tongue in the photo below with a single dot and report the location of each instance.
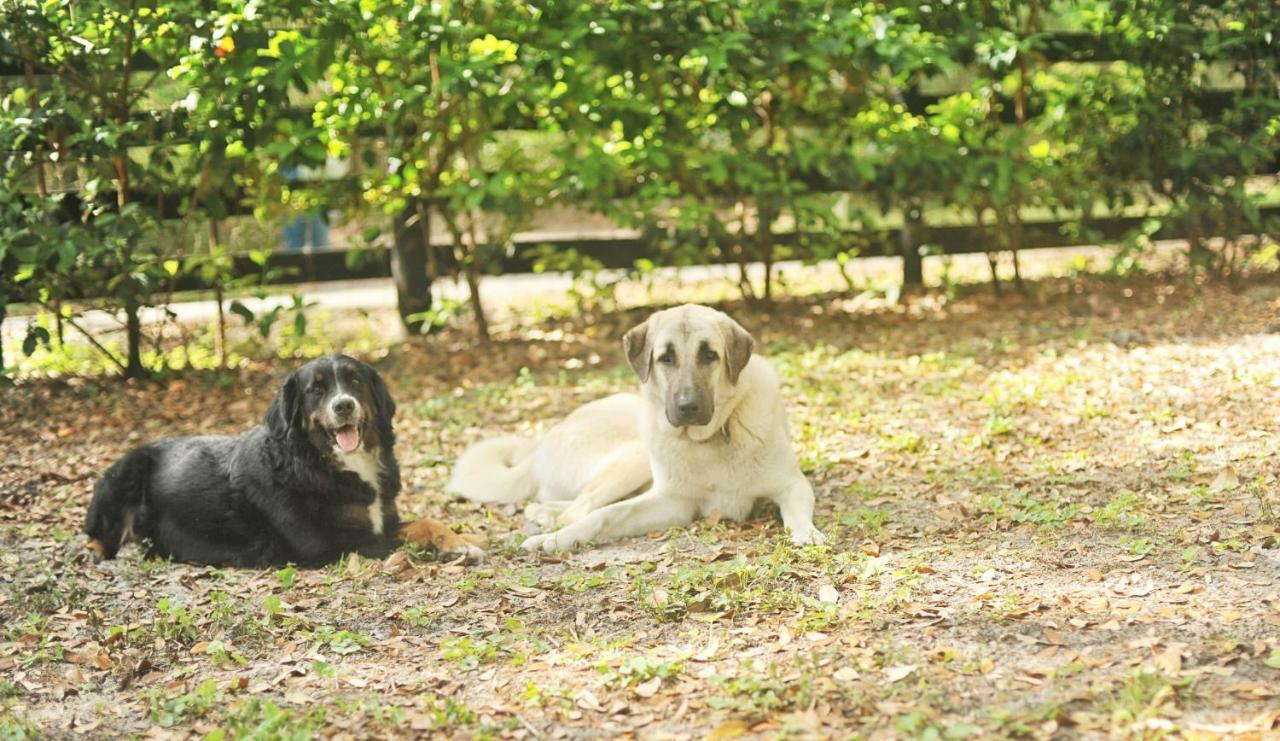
(348, 438)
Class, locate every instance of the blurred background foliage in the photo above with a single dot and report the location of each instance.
(131, 134)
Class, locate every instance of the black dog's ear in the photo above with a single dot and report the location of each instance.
(738, 346)
(639, 354)
(285, 413)
(383, 404)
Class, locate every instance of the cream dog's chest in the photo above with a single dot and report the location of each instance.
(717, 476)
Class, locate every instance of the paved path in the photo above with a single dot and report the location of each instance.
(499, 291)
(379, 293)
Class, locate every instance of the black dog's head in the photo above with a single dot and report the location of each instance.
(337, 403)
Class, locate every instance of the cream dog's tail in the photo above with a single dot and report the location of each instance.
(497, 471)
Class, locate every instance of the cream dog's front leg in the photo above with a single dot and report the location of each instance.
(654, 510)
(625, 472)
(795, 503)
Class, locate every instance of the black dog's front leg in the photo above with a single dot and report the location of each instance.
(308, 542)
(355, 532)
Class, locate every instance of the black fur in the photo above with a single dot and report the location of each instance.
(276, 494)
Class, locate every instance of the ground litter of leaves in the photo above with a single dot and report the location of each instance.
(1052, 516)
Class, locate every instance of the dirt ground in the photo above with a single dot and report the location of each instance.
(1052, 516)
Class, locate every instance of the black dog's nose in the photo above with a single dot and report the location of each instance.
(344, 406)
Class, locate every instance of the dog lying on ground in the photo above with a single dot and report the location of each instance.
(317, 480)
(707, 433)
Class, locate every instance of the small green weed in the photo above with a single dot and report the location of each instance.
(170, 711)
(1120, 512)
(341, 642)
(640, 669)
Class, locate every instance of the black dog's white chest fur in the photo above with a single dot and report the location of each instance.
(368, 466)
(365, 462)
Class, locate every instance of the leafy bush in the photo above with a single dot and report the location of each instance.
(740, 131)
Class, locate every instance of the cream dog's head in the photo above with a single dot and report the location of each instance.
(690, 358)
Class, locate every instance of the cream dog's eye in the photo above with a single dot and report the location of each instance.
(667, 358)
(708, 356)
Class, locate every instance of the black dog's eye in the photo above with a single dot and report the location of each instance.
(315, 389)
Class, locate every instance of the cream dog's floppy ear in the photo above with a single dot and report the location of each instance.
(738, 346)
(639, 353)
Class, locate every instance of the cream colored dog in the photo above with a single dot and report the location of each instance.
(707, 433)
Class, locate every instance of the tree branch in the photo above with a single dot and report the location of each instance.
(92, 340)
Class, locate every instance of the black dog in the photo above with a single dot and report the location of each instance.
(318, 480)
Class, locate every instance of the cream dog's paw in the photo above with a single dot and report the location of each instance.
(545, 542)
(543, 515)
(807, 536)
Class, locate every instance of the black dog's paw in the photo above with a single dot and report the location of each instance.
(436, 536)
(94, 551)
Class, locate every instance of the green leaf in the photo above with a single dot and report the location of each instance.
(36, 336)
(242, 311)
(287, 576)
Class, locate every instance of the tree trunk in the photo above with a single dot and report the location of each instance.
(222, 322)
(999, 236)
(409, 267)
(477, 309)
(218, 294)
(473, 279)
(1199, 256)
(465, 254)
(738, 245)
(1009, 235)
(764, 237)
(909, 239)
(1017, 247)
(4, 310)
(133, 332)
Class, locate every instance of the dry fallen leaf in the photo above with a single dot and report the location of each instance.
(728, 730)
(1226, 480)
(586, 699)
(1096, 604)
(900, 672)
(1169, 661)
(649, 688)
(845, 674)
